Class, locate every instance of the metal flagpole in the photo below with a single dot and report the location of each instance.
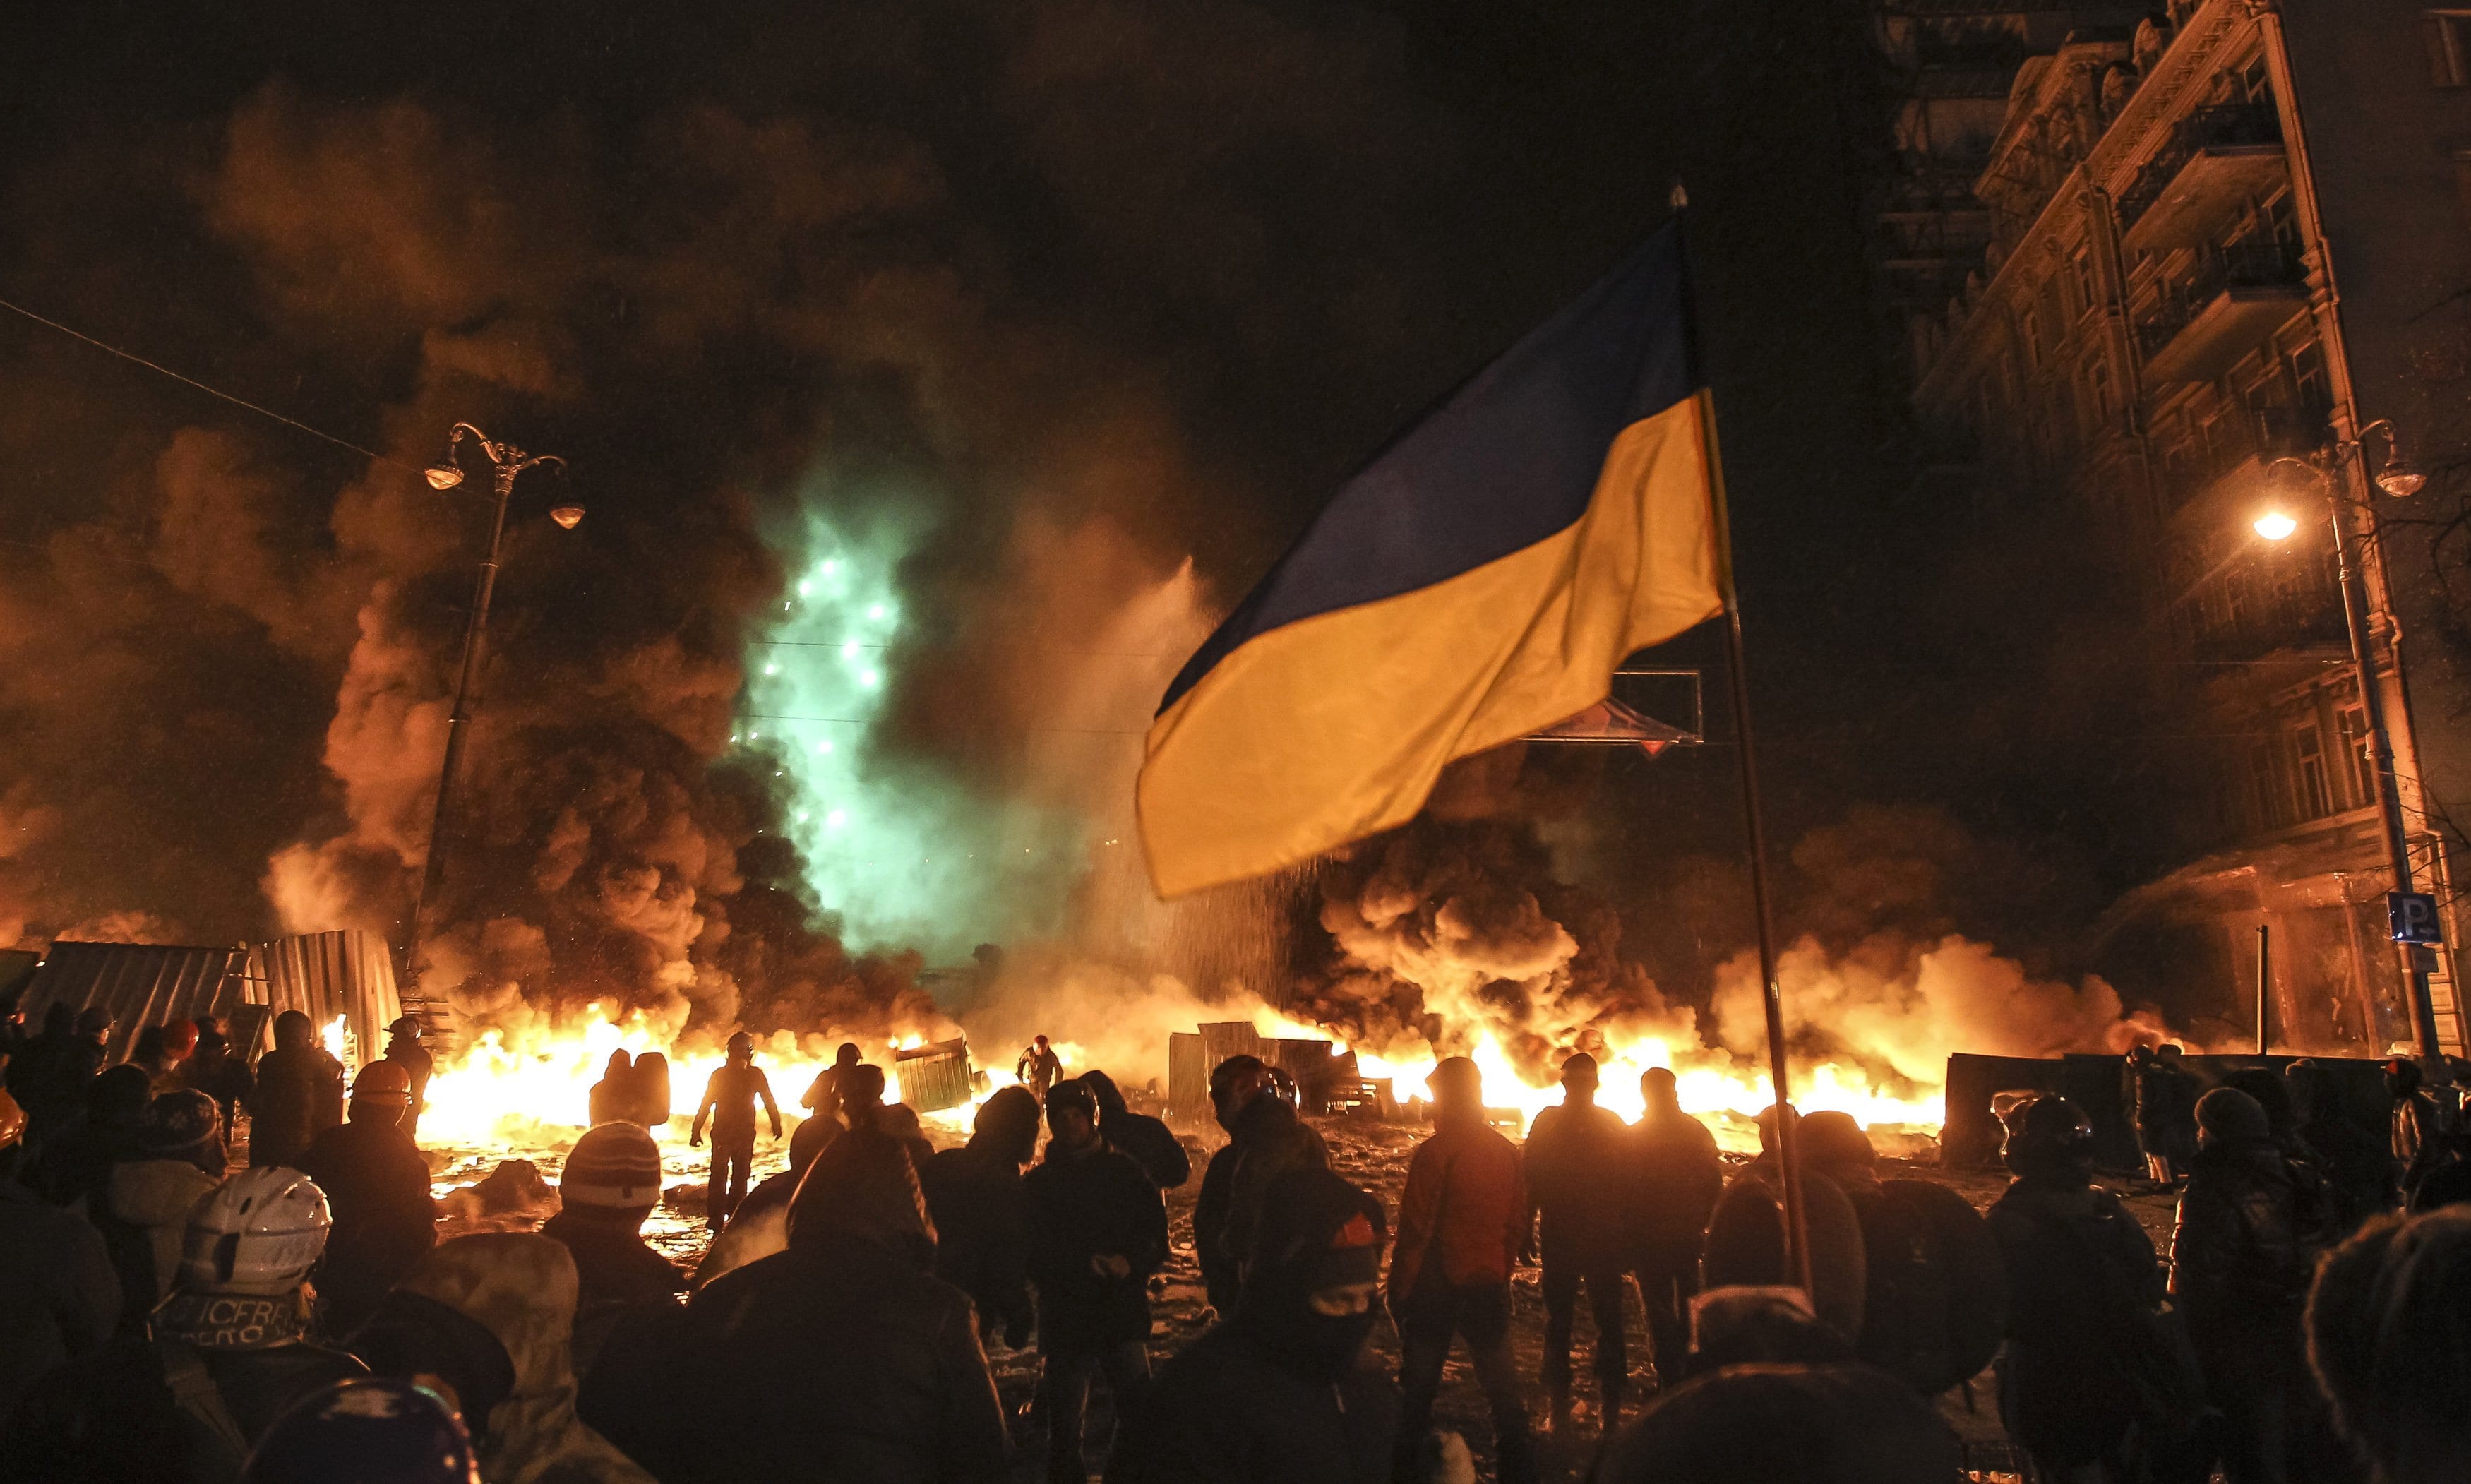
(1788, 1138)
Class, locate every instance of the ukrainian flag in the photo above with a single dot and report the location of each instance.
(1481, 578)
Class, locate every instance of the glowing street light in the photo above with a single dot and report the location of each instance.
(2399, 478)
(506, 460)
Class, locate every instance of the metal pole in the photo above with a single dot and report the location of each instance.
(475, 639)
(2263, 984)
(2381, 758)
(1788, 1138)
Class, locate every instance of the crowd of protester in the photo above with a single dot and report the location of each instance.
(169, 1312)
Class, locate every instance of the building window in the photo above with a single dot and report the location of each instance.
(2265, 785)
(2030, 329)
(2354, 723)
(2098, 393)
(2316, 797)
(2089, 288)
(2448, 35)
(2308, 381)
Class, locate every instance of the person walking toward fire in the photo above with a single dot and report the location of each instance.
(729, 1100)
(1039, 1068)
(1462, 1220)
(1097, 1231)
(1574, 1153)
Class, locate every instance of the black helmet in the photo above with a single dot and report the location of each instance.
(2047, 1134)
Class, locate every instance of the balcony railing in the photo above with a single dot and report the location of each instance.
(2266, 434)
(2223, 126)
(2256, 274)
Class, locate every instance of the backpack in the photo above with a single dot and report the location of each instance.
(1936, 1301)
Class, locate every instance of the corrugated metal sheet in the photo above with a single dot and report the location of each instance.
(1188, 1072)
(1223, 1038)
(141, 984)
(935, 1076)
(17, 967)
(323, 975)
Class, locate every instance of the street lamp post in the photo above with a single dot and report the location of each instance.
(506, 460)
(2399, 478)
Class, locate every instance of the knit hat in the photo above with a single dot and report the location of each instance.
(2231, 1116)
(615, 1165)
(178, 1124)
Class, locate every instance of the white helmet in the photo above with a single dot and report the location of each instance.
(259, 1232)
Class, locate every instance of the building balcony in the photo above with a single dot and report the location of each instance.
(2238, 295)
(2264, 434)
(2315, 626)
(2216, 160)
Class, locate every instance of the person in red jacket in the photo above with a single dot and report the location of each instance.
(1462, 1221)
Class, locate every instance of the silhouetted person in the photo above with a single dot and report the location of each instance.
(405, 1050)
(214, 1070)
(75, 1162)
(1462, 1221)
(1151, 1143)
(1764, 1424)
(1573, 1155)
(300, 1093)
(1097, 1231)
(2387, 1342)
(2168, 1107)
(842, 1356)
(226, 1353)
(377, 1185)
(729, 1099)
(611, 1181)
(2239, 1273)
(59, 1297)
(2082, 1359)
(2420, 1142)
(1935, 1291)
(1672, 1177)
(147, 1197)
(1283, 1390)
(2359, 1167)
(59, 1090)
(857, 1102)
(153, 1055)
(1763, 1325)
(613, 1097)
(982, 1218)
(900, 1122)
(823, 1096)
(1264, 1140)
(1746, 1235)
(1038, 1067)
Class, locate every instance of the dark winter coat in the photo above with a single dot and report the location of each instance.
(615, 1269)
(2082, 1282)
(58, 1295)
(1224, 1411)
(377, 1186)
(2238, 1267)
(1935, 1289)
(837, 1359)
(1266, 1140)
(1674, 1178)
(982, 1234)
(1081, 1206)
(110, 1417)
(212, 1070)
(418, 1065)
(1574, 1155)
(1746, 1242)
(299, 1094)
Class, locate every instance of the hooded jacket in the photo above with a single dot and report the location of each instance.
(982, 1216)
(522, 1288)
(2237, 1263)
(842, 1357)
(1151, 1143)
(1276, 1395)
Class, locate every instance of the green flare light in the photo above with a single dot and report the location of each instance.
(901, 851)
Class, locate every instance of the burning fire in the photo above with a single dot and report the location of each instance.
(1711, 1085)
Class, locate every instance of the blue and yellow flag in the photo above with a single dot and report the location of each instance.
(1482, 578)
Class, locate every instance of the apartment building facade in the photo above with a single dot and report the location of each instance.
(2210, 239)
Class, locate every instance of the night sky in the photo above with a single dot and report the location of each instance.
(1150, 276)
